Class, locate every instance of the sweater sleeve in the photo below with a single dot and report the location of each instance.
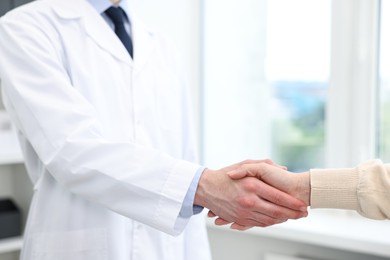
(365, 188)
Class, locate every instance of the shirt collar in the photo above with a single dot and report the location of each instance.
(101, 5)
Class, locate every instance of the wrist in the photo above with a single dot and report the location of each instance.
(200, 198)
(304, 187)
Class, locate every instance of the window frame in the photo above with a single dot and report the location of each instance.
(352, 106)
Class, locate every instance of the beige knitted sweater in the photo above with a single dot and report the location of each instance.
(365, 188)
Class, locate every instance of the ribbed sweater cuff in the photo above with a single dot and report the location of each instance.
(335, 188)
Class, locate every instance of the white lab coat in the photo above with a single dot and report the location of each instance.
(107, 141)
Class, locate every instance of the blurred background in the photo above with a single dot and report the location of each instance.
(303, 82)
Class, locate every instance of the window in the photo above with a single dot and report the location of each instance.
(384, 80)
(266, 71)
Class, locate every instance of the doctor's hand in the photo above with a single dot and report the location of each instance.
(248, 201)
(297, 185)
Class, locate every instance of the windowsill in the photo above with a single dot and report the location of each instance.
(10, 157)
(331, 228)
(10, 244)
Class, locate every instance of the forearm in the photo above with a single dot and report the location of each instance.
(365, 188)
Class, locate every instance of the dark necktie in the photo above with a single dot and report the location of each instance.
(117, 16)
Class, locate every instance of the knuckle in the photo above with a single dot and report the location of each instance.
(246, 202)
(250, 185)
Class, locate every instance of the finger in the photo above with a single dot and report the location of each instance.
(239, 227)
(253, 169)
(270, 162)
(275, 213)
(239, 174)
(211, 214)
(236, 226)
(262, 214)
(238, 165)
(221, 222)
(249, 161)
(281, 167)
(258, 219)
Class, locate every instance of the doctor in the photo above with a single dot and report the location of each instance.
(108, 140)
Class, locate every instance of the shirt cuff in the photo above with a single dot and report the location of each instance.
(188, 208)
(334, 188)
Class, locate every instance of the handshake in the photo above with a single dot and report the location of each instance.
(253, 193)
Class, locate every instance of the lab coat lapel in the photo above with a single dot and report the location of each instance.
(95, 27)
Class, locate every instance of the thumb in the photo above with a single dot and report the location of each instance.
(277, 165)
(239, 174)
